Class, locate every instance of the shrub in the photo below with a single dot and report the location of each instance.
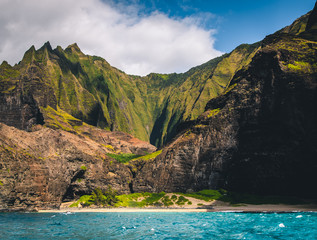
(173, 197)
(83, 167)
(123, 157)
(153, 198)
(98, 198)
(107, 198)
(181, 200)
(167, 201)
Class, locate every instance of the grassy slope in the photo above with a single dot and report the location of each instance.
(150, 107)
(161, 199)
(175, 98)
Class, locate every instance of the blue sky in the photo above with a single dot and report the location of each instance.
(236, 22)
(143, 36)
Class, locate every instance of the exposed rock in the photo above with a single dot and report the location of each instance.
(40, 169)
(22, 97)
(89, 89)
(260, 136)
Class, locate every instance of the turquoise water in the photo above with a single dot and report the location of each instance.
(126, 226)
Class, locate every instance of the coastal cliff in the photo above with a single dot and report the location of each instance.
(43, 168)
(259, 136)
(245, 122)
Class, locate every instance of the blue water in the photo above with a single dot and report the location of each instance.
(126, 226)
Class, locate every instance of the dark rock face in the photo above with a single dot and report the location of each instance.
(20, 107)
(260, 136)
(43, 168)
(312, 21)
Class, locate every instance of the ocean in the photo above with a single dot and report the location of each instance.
(212, 225)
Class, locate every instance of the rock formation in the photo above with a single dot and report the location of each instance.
(45, 167)
(259, 136)
(245, 122)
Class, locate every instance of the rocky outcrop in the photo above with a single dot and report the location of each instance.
(257, 133)
(43, 168)
(88, 88)
(260, 136)
(21, 96)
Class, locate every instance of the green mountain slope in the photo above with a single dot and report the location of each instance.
(259, 136)
(245, 121)
(150, 107)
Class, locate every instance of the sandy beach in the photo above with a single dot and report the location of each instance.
(244, 208)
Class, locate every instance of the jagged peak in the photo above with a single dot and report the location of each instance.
(29, 54)
(74, 48)
(59, 48)
(5, 64)
(47, 46)
(31, 49)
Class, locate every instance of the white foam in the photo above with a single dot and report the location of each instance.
(67, 213)
(152, 229)
(299, 216)
(281, 225)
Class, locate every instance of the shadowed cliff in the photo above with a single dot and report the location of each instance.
(245, 121)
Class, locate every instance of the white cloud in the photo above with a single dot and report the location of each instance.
(133, 42)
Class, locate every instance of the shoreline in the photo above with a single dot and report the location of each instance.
(264, 208)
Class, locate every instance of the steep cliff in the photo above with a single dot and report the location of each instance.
(259, 136)
(40, 169)
(245, 121)
(88, 88)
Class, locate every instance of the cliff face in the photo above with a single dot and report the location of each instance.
(40, 169)
(259, 136)
(245, 121)
(22, 93)
(88, 88)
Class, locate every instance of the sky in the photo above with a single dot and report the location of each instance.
(143, 36)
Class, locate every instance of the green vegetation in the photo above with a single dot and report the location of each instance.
(84, 200)
(179, 199)
(297, 27)
(123, 157)
(173, 197)
(60, 119)
(98, 198)
(110, 147)
(166, 201)
(83, 167)
(149, 108)
(149, 156)
(151, 199)
(299, 66)
(1, 184)
(207, 195)
(213, 112)
(182, 200)
(130, 200)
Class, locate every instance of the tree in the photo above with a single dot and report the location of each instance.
(107, 198)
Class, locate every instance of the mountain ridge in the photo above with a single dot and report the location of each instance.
(90, 89)
(259, 136)
(245, 121)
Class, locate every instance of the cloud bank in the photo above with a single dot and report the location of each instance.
(129, 40)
